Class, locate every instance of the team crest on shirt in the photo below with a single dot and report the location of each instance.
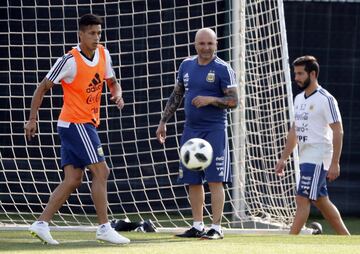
(100, 151)
(210, 77)
(311, 108)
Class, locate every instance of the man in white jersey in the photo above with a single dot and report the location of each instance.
(318, 132)
(209, 86)
(82, 73)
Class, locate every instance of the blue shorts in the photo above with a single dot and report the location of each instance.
(80, 145)
(219, 170)
(312, 184)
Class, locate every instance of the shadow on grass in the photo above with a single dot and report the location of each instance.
(22, 240)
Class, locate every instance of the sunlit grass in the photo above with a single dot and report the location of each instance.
(84, 242)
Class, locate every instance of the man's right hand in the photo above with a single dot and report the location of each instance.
(161, 132)
(280, 167)
(30, 129)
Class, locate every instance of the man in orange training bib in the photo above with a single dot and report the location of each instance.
(81, 72)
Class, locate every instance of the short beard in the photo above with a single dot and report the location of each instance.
(306, 84)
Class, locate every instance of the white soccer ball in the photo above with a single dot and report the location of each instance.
(196, 154)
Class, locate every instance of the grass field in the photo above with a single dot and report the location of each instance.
(83, 242)
(153, 243)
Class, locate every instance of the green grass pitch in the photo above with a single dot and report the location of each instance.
(153, 243)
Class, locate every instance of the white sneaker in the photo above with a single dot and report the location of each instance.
(108, 234)
(41, 230)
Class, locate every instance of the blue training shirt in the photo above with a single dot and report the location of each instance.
(205, 80)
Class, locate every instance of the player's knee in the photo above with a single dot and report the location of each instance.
(105, 175)
(101, 172)
(73, 183)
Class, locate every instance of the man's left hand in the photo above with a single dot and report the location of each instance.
(118, 100)
(334, 172)
(201, 101)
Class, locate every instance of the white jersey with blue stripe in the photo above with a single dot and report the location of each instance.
(205, 80)
(313, 114)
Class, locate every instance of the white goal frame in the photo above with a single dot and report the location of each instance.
(142, 184)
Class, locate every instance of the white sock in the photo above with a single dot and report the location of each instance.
(216, 227)
(41, 223)
(104, 227)
(199, 225)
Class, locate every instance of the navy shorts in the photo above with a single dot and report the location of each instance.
(80, 145)
(312, 184)
(219, 170)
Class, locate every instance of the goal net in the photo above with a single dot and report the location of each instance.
(147, 41)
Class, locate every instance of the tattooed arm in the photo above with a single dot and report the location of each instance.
(170, 108)
(230, 100)
(173, 102)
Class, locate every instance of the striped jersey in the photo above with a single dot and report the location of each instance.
(205, 80)
(313, 114)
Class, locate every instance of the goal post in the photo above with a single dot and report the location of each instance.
(238, 116)
(147, 41)
(261, 122)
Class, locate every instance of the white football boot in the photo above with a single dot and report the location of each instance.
(41, 230)
(105, 233)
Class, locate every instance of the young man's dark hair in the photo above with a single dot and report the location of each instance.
(309, 62)
(89, 19)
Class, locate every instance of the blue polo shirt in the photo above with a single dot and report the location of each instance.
(205, 80)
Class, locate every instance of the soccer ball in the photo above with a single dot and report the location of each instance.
(196, 154)
(316, 227)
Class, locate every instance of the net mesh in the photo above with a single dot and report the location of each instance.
(147, 41)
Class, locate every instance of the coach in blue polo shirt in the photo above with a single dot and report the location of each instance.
(209, 86)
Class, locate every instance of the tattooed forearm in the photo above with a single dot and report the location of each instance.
(230, 100)
(173, 103)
